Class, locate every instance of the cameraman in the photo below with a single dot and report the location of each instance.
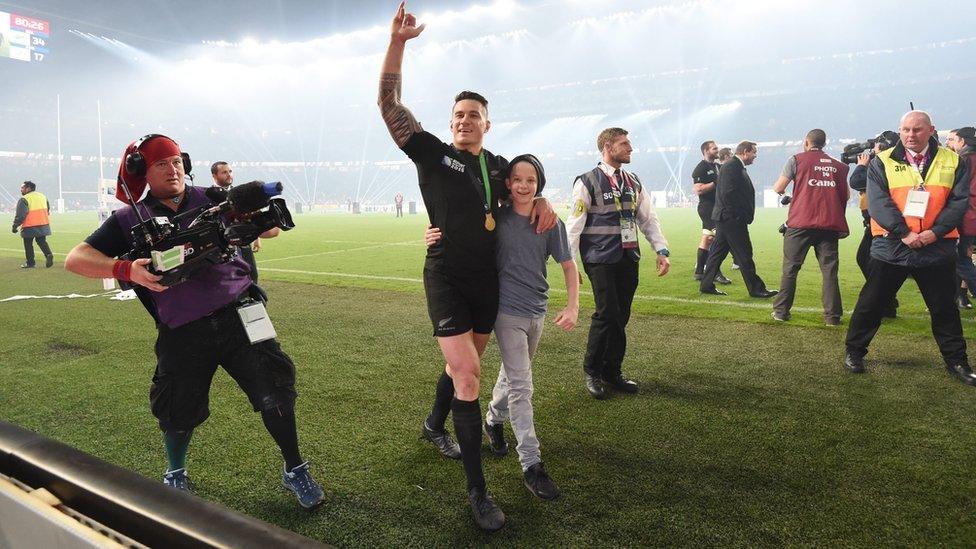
(816, 219)
(197, 320)
(859, 182)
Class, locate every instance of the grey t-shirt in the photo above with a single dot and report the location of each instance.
(521, 256)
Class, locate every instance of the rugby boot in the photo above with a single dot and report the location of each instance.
(442, 440)
(486, 513)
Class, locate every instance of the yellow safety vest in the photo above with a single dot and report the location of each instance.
(902, 178)
(36, 210)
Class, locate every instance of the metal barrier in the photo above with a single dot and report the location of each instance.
(137, 507)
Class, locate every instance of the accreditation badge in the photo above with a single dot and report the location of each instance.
(916, 204)
(628, 232)
(256, 322)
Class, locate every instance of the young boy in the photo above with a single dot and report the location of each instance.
(521, 256)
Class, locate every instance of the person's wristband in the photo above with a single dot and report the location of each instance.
(664, 252)
(122, 270)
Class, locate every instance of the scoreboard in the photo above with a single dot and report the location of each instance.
(23, 38)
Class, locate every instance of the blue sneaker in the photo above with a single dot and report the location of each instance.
(178, 479)
(300, 481)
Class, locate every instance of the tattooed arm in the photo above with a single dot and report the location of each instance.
(399, 120)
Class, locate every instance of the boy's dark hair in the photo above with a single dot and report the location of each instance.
(471, 95)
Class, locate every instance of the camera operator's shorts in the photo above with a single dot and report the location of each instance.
(705, 213)
(188, 356)
(457, 304)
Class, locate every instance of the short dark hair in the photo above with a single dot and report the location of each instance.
(744, 147)
(216, 166)
(471, 95)
(607, 136)
(706, 145)
(30, 185)
(817, 138)
(724, 152)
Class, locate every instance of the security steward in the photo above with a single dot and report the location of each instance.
(461, 184)
(817, 219)
(610, 209)
(917, 196)
(33, 218)
(199, 321)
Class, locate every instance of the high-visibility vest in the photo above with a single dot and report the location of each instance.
(36, 210)
(902, 178)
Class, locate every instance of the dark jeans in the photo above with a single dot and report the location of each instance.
(938, 287)
(732, 236)
(964, 266)
(29, 247)
(613, 285)
(796, 244)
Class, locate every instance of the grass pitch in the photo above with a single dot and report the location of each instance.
(746, 432)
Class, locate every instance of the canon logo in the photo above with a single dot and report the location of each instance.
(819, 183)
(29, 23)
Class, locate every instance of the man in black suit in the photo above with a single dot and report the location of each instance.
(735, 207)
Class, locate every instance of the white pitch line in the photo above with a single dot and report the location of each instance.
(663, 298)
(330, 252)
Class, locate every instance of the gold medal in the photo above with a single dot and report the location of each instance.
(489, 222)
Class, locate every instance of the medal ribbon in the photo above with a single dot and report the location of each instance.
(484, 179)
(625, 183)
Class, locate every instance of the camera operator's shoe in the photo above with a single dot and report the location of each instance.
(622, 384)
(49, 261)
(178, 479)
(781, 317)
(496, 438)
(486, 513)
(962, 301)
(722, 279)
(442, 440)
(27, 266)
(962, 372)
(854, 363)
(537, 480)
(301, 483)
(595, 387)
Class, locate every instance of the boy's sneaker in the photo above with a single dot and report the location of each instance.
(300, 481)
(486, 514)
(178, 479)
(496, 438)
(537, 480)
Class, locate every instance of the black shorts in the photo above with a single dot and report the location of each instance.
(457, 304)
(705, 213)
(188, 356)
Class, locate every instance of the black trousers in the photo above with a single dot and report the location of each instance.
(613, 286)
(938, 287)
(864, 252)
(732, 236)
(29, 247)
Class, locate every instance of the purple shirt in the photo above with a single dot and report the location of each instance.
(206, 290)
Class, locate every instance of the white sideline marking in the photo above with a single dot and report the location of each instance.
(330, 252)
(669, 299)
(69, 296)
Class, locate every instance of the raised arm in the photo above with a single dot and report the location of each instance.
(399, 120)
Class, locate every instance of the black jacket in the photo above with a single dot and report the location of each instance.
(735, 197)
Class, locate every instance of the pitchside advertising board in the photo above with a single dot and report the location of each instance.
(23, 38)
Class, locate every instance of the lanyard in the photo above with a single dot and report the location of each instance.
(484, 179)
(625, 183)
(916, 169)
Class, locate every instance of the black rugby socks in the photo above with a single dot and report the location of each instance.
(442, 403)
(176, 443)
(467, 429)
